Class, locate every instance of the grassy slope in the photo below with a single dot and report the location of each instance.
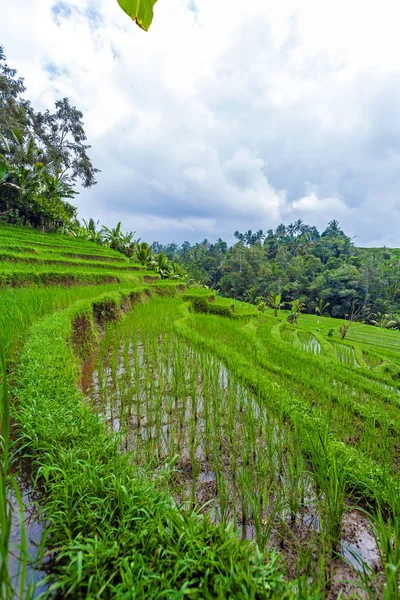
(58, 261)
(118, 535)
(112, 540)
(29, 257)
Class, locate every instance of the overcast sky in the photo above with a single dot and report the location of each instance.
(227, 114)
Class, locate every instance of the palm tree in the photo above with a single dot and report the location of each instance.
(333, 229)
(259, 236)
(177, 271)
(91, 232)
(113, 236)
(321, 306)
(239, 236)
(248, 237)
(280, 232)
(116, 239)
(291, 230)
(299, 226)
(144, 253)
(383, 320)
(163, 266)
(275, 302)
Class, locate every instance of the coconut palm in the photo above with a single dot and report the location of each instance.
(177, 271)
(116, 239)
(383, 320)
(91, 232)
(239, 236)
(281, 232)
(112, 236)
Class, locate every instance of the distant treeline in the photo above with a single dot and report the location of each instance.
(298, 262)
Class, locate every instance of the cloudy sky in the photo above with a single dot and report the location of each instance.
(227, 114)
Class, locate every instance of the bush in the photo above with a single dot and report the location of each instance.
(222, 311)
(200, 304)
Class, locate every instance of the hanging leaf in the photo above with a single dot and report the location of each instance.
(140, 11)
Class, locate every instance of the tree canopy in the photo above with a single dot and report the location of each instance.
(42, 156)
(323, 270)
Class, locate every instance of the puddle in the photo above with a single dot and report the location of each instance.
(33, 530)
(207, 477)
(358, 545)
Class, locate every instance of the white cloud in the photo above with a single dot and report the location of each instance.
(225, 115)
(313, 205)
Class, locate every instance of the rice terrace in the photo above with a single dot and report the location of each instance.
(207, 420)
(176, 439)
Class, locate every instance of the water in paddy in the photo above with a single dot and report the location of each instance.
(308, 342)
(345, 354)
(232, 457)
(34, 528)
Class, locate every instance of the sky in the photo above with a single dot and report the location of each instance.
(226, 115)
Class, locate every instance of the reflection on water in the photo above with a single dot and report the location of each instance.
(34, 528)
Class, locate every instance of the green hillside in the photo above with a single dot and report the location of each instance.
(184, 444)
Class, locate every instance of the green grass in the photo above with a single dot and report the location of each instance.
(290, 420)
(118, 534)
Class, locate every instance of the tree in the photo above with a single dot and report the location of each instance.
(29, 194)
(13, 109)
(239, 236)
(140, 11)
(333, 229)
(321, 306)
(262, 306)
(275, 302)
(61, 137)
(117, 240)
(344, 328)
(42, 155)
(296, 308)
(163, 266)
(383, 320)
(144, 253)
(89, 230)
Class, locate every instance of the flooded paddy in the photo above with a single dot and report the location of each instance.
(308, 342)
(25, 560)
(345, 354)
(218, 448)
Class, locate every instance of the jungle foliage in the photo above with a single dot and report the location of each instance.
(324, 270)
(43, 155)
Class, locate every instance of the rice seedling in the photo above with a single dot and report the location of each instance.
(196, 423)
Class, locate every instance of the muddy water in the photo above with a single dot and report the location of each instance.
(358, 545)
(195, 481)
(34, 528)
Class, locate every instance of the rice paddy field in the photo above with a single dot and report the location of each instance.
(168, 443)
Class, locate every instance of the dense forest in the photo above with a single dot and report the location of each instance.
(324, 270)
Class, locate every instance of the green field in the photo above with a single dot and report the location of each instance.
(183, 444)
